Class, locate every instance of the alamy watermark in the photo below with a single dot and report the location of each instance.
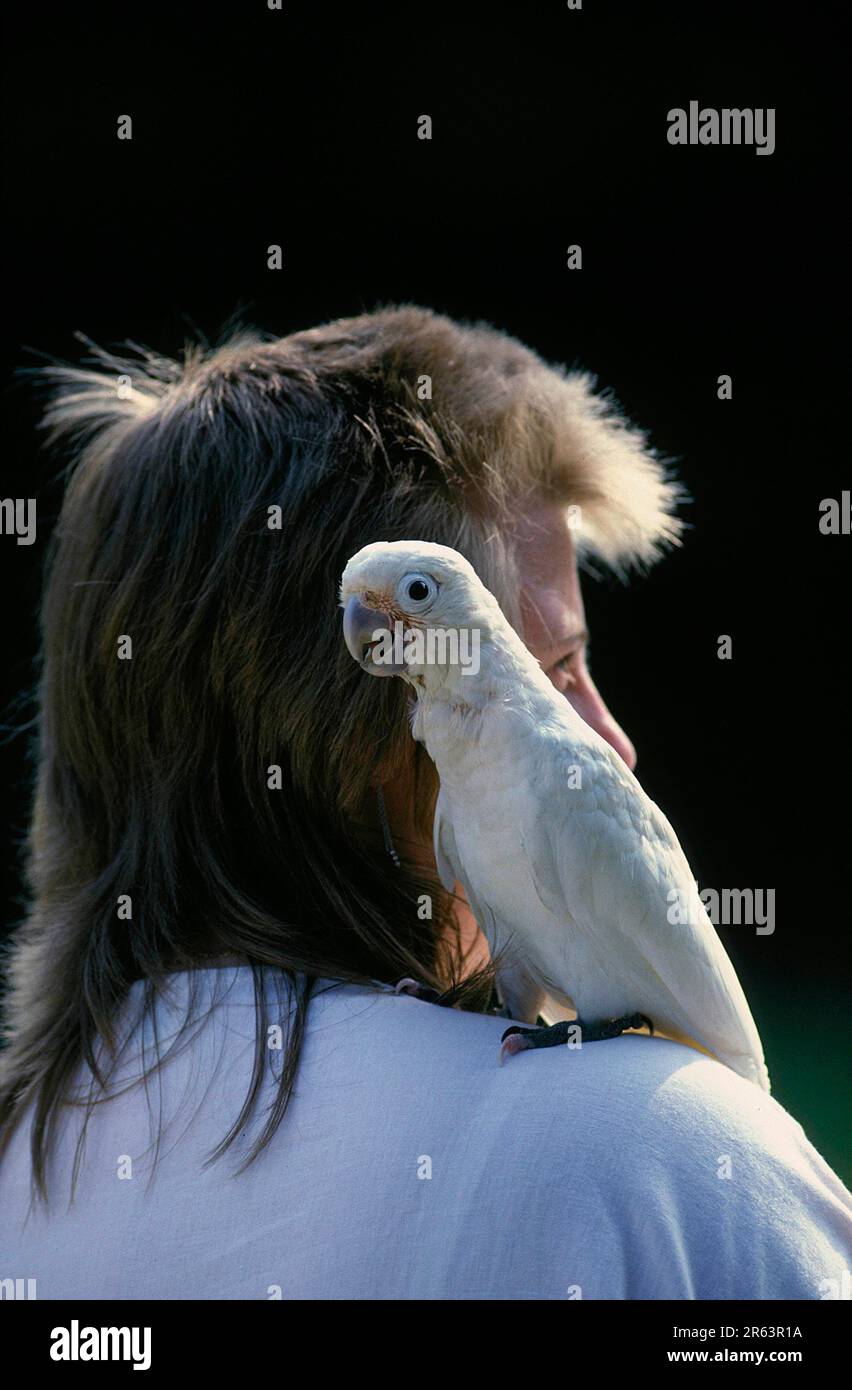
(431, 646)
(726, 907)
(76, 1343)
(728, 126)
(17, 1289)
(18, 518)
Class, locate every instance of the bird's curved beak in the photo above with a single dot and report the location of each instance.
(362, 627)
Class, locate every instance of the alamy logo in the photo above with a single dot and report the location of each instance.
(76, 1343)
(18, 1288)
(18, 518)
(434, 646)
(729, 126)
(728, 907)
(836, 519)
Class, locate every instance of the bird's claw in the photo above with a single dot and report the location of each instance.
(513, 1042)
(575, 1031)
(416, 990)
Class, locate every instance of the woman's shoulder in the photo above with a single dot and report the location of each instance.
(670, 1094)
(639, 1112)
(711, 1182)
(607, 1097)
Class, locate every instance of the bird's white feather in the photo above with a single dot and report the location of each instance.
(569, 868)
(569, 865)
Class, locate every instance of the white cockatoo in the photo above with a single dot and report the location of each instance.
(569, 868)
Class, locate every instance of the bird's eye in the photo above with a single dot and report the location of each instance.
(419, 589)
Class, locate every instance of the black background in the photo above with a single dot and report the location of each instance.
(253, 127)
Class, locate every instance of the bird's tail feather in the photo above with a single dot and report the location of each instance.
(745, 1064)
(557, 1009)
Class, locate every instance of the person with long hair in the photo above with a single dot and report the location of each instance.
(250, 1040)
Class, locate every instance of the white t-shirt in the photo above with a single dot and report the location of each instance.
(410, 1164)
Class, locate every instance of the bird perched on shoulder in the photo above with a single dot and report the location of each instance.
(564, 859)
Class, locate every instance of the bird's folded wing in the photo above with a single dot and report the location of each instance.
(446, 853)
(520, 990)
(605, 852)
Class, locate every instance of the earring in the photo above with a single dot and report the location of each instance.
(383, 817)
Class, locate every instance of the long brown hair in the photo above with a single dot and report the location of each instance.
(223, 778)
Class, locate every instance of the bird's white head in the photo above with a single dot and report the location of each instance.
(417, 610)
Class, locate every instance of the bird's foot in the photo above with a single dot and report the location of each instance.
(614, 1027)
(519, 1039)
(416, 990)
(574, 1031)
